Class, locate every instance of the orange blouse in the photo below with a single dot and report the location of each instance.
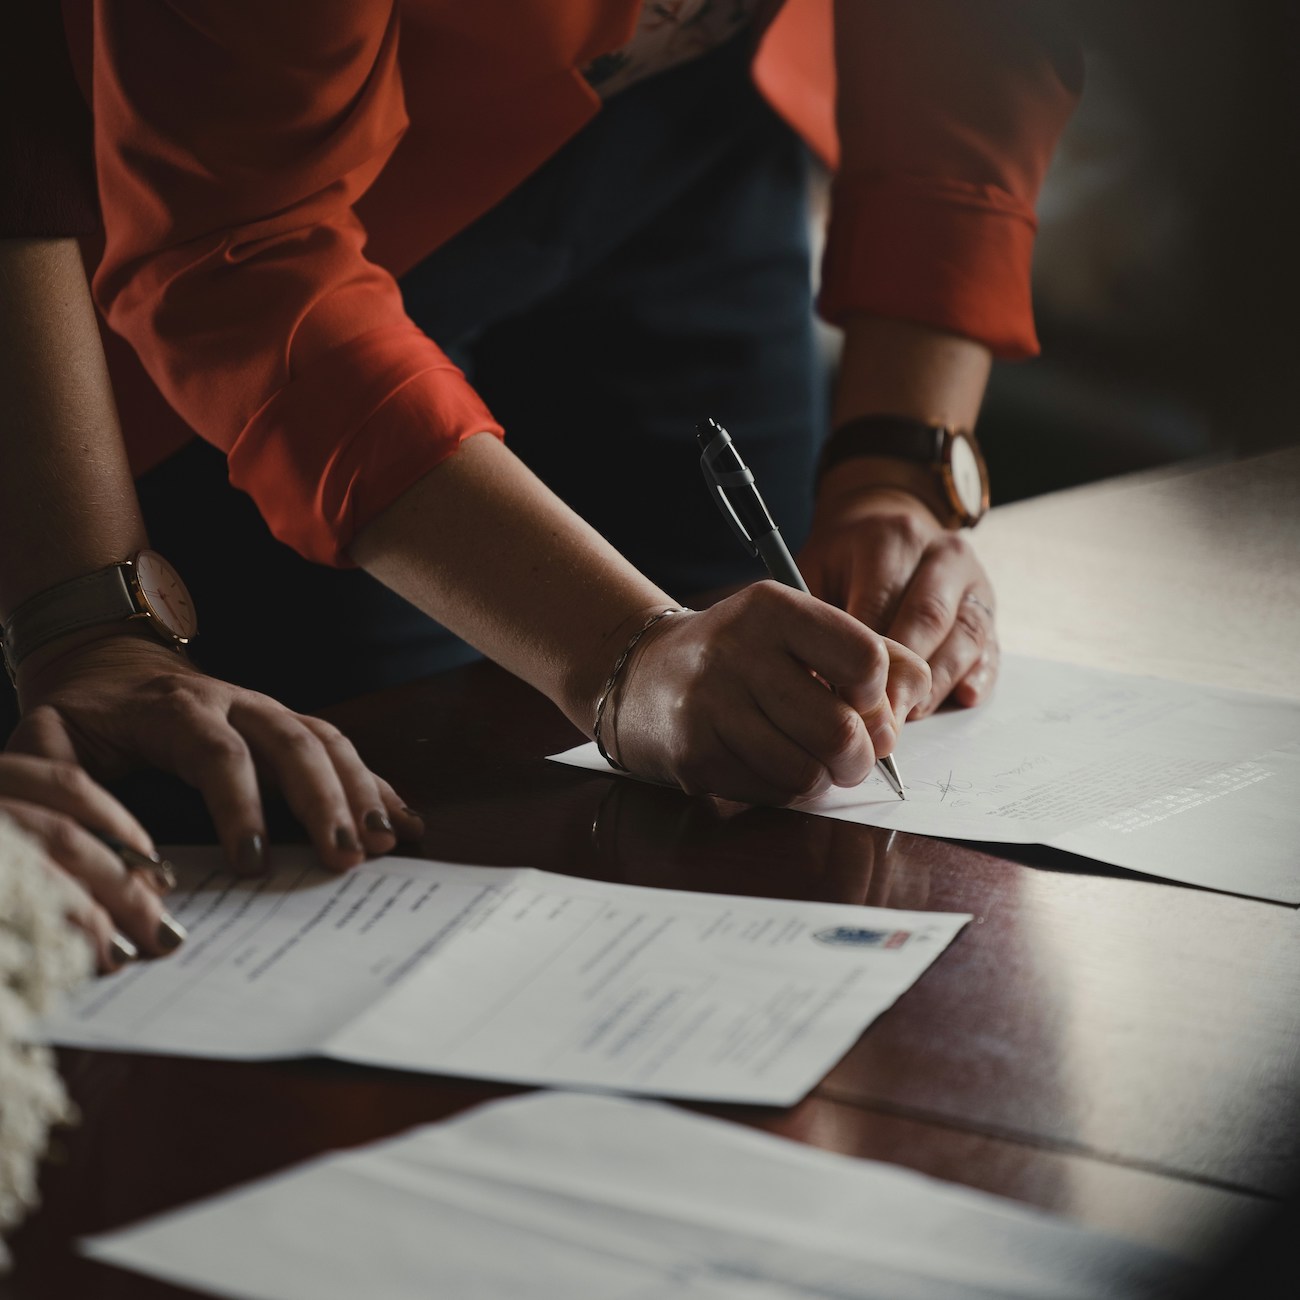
(266, 170)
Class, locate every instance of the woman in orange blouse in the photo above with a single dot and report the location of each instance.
(275, 177)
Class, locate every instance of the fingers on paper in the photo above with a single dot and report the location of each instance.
(84, 914)
(116, 907)
(65, 787)
(979, 681)
(206, 751)
(227, 745)
(348, 811)
(946, 615)
(379, 814)
(295, 759)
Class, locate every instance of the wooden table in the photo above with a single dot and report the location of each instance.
(1117, 1049)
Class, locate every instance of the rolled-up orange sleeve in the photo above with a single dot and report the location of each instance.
(232, 140)
(947, 114)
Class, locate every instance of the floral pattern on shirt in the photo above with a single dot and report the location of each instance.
(668, 32)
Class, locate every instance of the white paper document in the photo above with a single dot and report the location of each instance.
(559, 1196)
(511, 974)
(1192, 783)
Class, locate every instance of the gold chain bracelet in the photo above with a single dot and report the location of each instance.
(612, 680)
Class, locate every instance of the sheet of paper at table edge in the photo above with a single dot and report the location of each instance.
(513, 974)
(557, 1195)
(1188, 783)
(669, 993)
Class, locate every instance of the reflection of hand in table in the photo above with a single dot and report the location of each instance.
(647, 835)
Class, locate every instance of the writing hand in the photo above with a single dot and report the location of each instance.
(115, 703)
(882, 555)
(725, 702)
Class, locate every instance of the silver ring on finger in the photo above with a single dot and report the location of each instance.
(158, 869)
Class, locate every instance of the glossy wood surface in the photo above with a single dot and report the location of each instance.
(1106, 1046)
(1191, 571)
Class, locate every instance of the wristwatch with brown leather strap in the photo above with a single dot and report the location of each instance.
(952, 456)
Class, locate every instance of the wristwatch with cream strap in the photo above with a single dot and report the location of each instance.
(144, 589)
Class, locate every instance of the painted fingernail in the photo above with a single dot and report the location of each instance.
(133, 858)
(411, 813)
(171, 933)
(122, 950)
(377, 822)
(345, 839)
(250, 855)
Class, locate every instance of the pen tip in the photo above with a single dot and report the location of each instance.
(893, 778)
(706, 431)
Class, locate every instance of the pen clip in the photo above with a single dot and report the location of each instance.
(714, 481)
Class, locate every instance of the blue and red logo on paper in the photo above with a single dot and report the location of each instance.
(852, 936)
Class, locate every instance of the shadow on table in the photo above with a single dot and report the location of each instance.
(1045, 858)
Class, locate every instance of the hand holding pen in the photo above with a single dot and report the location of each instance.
(723, 701)
(737, 496)
(733, 700)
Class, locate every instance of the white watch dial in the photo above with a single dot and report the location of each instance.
(967, 481)
(165, 595)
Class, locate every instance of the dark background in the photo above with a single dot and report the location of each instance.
(1166, 280)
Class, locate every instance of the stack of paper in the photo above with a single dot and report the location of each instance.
(1191, 783)
(561, 1197)
(512, 974)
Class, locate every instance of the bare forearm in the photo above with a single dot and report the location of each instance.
(484, 547)
(67, 503)
(896, 368)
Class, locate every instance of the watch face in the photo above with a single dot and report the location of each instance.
(164, 595)
(967, 476)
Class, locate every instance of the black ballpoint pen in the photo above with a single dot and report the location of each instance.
(732, 486)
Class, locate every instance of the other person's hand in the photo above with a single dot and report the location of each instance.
(725, 701)
(121, 701)
(882, 555)
(88, 839)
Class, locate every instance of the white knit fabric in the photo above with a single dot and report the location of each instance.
(41, 957)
